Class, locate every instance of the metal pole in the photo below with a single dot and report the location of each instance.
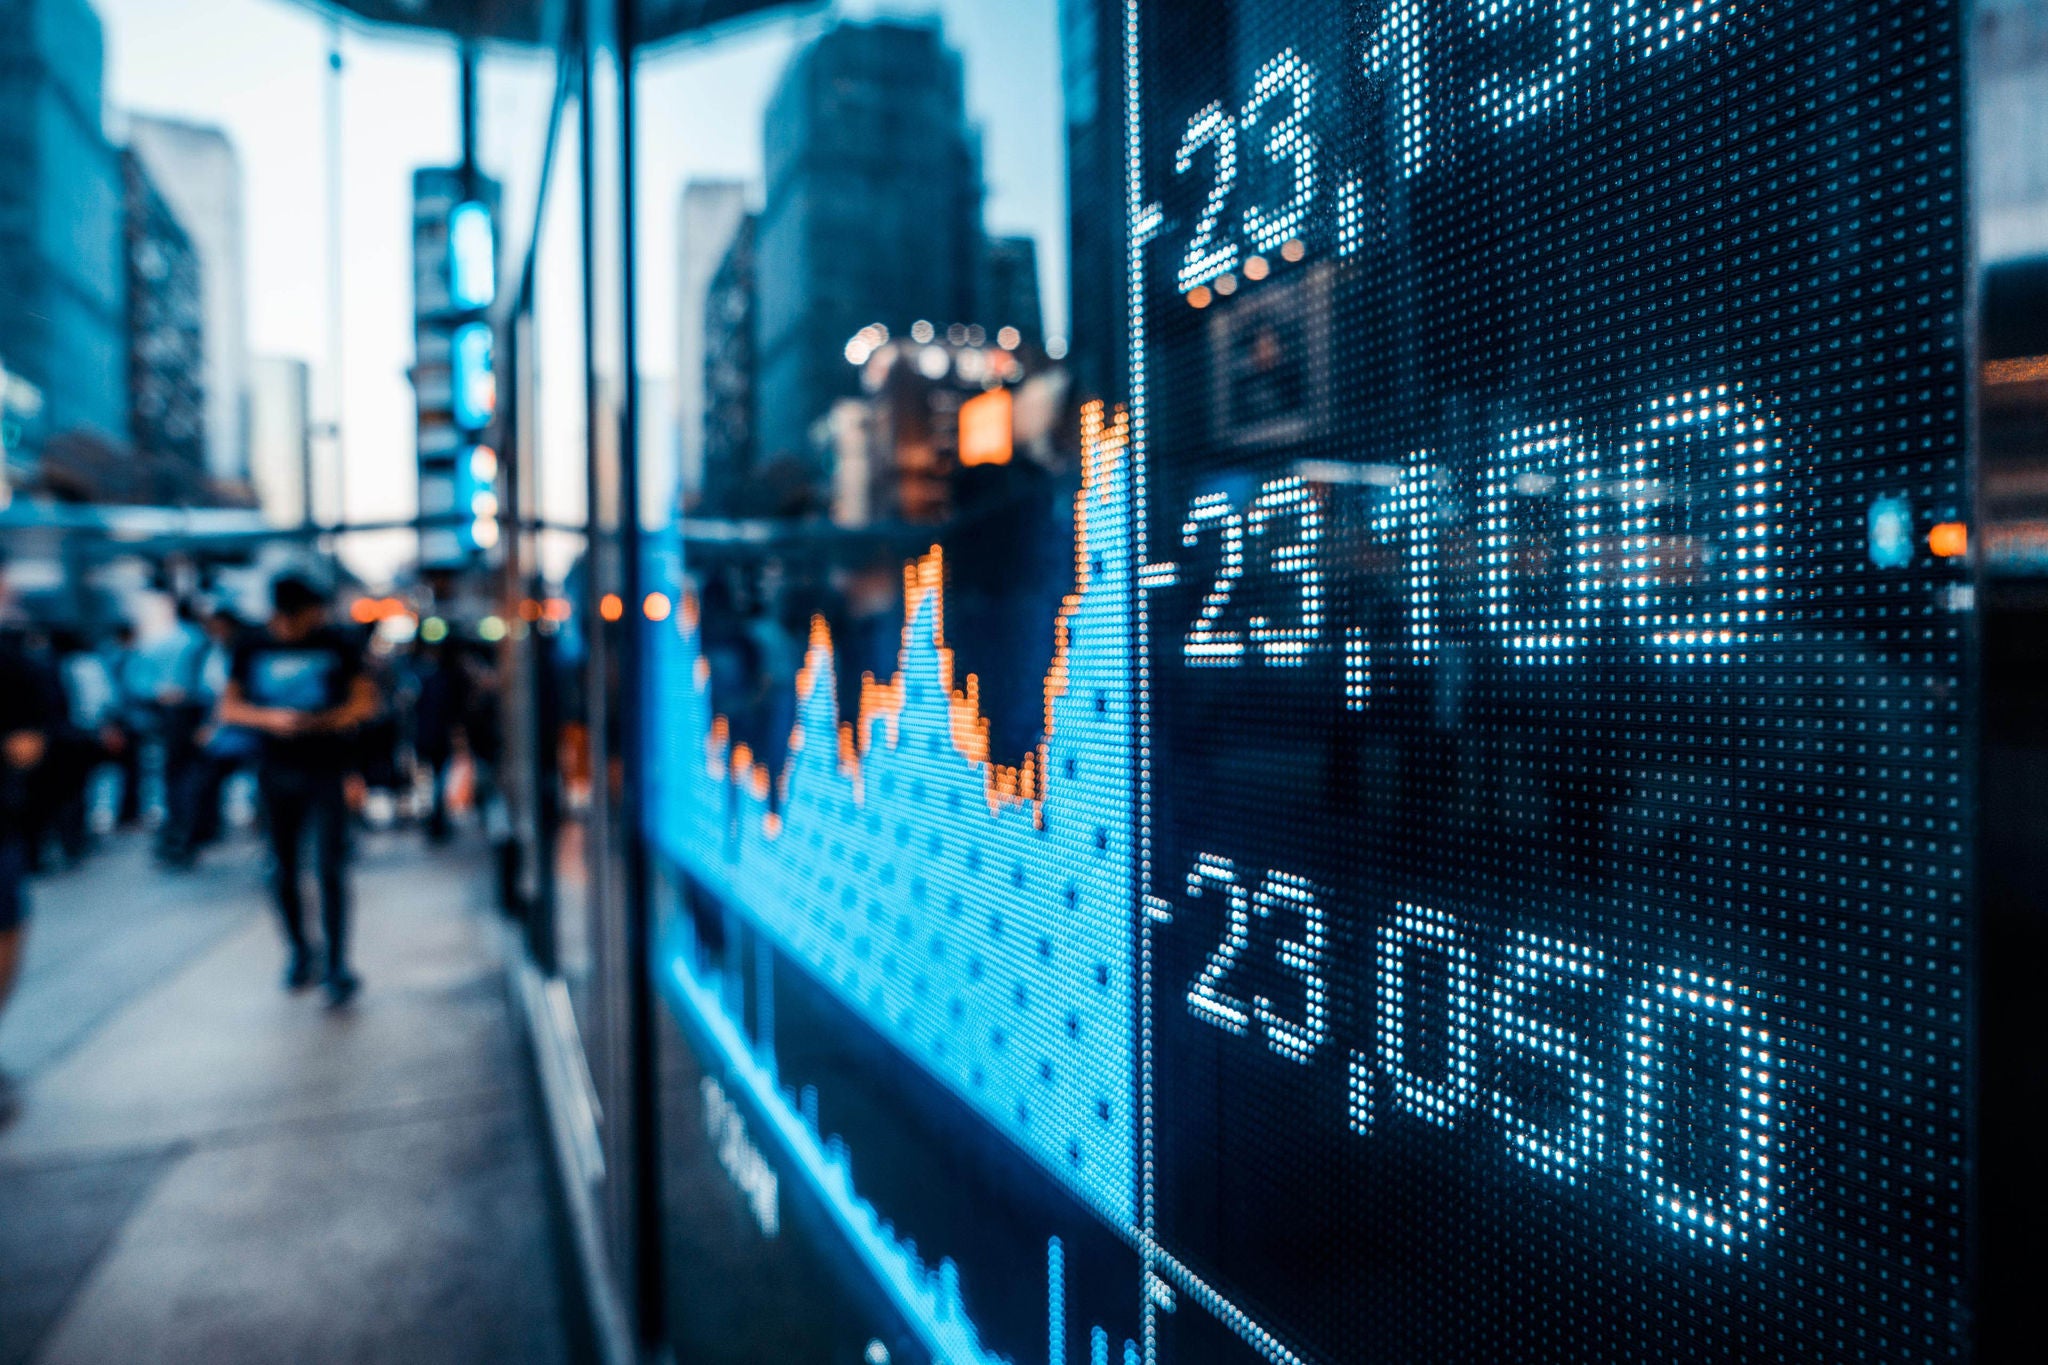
(469, 147)
(334, 272)
(643, 1083)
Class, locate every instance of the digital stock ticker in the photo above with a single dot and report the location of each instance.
(1445, 832)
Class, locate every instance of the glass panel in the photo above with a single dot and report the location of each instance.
(1307, 695)
(556, 486)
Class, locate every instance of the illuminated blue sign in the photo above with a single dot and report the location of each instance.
(474, 392)
(472, 256)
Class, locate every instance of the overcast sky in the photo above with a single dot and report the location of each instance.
(256, 69)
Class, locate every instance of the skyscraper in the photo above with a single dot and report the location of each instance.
(280, 422)
(1009, 290)
(166, 327)
(1091, 70)
(200, 176)
(710, 214)
(63, 283)
(728, 378)
(872, 214)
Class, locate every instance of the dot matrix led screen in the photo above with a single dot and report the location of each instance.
(1446, 832)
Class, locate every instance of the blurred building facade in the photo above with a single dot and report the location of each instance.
(199, 175)
(710, 215)
(63, 284)
(728, 377)
(167, 394)
(942, 429)
(1091, 70)
(872, 214)
(280, 437)
(1009, 291)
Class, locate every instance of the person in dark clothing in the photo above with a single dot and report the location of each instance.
(128, 720)
(182, 707)
(194, 818)
(301, 686)
(439, 706)
(44, 784)
(76, 747)
(25, 722)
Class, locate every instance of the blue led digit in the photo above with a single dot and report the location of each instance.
(1206, 257)
(1643, 28)
(1397, 58)
(1417, 930)
(1701, 486)
(1505, 100)
(1300, 559)
(1408, 513)
(1305, 958)
(1207, 999)
(1673, 1009)
(1533, 967)
(1208, 644)
(1291, 141)
(1520, 562)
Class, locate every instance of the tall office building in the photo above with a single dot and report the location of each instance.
(710, 213)
(200, 176)
(872, 213)
(728, 380)
(166, 327)
(280, 437)
(63, 281)
(1091, 71)
(1009, 289)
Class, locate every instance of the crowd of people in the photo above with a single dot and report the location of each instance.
(101, 735)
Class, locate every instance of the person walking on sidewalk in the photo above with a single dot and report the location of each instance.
(301, 685)
(25, 717)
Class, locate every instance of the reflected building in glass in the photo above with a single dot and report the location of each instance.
(872, 215)
(728, 376)
(709, 216)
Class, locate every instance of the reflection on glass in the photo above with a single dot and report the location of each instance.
(1228, 761)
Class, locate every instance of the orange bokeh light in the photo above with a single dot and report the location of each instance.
(1949, 539)
(610, 607)
(985, 428)
(656, 606)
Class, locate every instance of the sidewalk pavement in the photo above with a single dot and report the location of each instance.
(206, 1168)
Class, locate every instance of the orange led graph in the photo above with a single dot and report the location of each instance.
(924, 579)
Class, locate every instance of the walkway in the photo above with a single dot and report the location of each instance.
(208, 1169)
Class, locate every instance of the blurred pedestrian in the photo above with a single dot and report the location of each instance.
(183, 707)
(46, 780)
(193, 793)
(24, 740)
(127, 723)
(300, 684)
(440, 701)
(75, 747)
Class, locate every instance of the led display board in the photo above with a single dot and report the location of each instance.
(1447, 833)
